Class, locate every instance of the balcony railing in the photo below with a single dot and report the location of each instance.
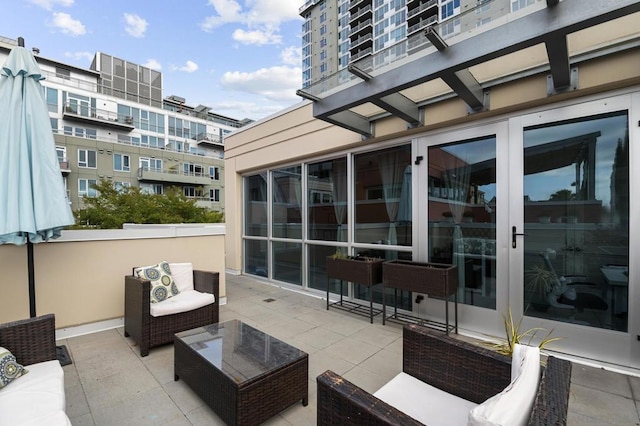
(125, 139)
(422, 24)
(360, 13)
(97, 115)
(421, 8)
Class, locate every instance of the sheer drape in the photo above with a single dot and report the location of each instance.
(338, 178)
(456, 181)
(391, 173)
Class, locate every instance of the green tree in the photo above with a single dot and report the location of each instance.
(114, 207)
(563, 195)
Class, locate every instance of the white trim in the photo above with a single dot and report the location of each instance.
(136, 232)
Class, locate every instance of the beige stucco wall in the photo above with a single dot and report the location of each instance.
(80, 277)
(294, 134)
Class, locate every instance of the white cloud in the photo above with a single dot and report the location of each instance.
(256, 37)
(135, 25)
(190, 66)
(154, 64)
(67, 25)
(277, 84)
(49, 4)
(78, 56)
(262, 19)
(291, 56)
(228, 11)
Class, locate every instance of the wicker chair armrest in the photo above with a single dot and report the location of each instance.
(340, 402)
(31, 340)
(454, 366)
(552, 401)
(137, 296)
(207, 282)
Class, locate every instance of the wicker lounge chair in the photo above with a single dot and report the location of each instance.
(456, 367)
(31, 340)
(149, 331)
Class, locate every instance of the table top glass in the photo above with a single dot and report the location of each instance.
(241, 352)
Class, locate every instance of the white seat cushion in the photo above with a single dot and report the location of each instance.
(37, 398)
(182, 275)
(512, 406)
(182, 302)
(423, 402)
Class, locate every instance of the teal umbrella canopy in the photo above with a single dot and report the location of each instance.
(33, 201)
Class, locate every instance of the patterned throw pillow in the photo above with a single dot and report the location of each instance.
(9, 368)
(162, 284)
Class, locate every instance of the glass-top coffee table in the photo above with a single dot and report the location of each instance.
(242, 373)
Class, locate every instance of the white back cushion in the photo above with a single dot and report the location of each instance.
(512, 406)
(182, 275)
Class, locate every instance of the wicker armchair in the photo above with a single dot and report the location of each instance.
(149, 331)
(31, 340)
(460, 368)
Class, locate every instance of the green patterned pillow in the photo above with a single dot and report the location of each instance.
(9, 368)
(162, 284)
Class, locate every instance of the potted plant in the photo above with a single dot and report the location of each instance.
(358, 269)
(539, 284)
(514, 335)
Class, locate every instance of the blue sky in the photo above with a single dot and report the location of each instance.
(239, 57)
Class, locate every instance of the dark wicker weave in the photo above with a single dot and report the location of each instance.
(30, 340)
(460, 368)
(148, 331)
(250, 402)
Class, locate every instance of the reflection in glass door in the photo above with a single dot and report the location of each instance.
(576, 214)
(462, 215)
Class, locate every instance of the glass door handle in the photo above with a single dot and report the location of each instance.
(514, 234)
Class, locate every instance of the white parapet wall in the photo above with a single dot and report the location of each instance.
(79, 277)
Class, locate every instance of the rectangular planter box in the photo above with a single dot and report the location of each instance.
(434, 279)
(357, 270)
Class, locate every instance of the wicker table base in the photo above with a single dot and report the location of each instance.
(243, 374)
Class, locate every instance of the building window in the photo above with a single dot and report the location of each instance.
(449, 8)
(151, 164)
(214, 195)
(61, 152)
(120, 186)
(214, 172)
(323, 30)
(86, 188)
(151, 188)
(121, 163)
(87, 158)
(192, 192)
(323, 42)
(520, 4)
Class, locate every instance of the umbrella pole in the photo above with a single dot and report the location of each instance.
(32, 287)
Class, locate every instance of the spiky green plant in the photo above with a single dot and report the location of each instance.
(515, 335)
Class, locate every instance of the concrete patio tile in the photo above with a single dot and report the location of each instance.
(159, 362)
(322, 361)
(635, 387)
(385, 362)
(352, 350)
(118, 387)
(319, 337)
(204, 416)
(292, 328)
(83, 420)
(602, 406)
(318, 317)
(182, 395)
(297, 414)
(150, 407)
(603, 380)
(365, 379)
(378, 335)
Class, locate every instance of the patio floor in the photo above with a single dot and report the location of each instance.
(110, 384)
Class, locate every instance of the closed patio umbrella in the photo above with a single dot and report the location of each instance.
(33, 202)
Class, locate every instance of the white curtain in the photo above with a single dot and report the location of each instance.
(456, 180)
(391, 172)
(339, 191)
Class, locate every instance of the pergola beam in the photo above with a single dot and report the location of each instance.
(400, 106)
